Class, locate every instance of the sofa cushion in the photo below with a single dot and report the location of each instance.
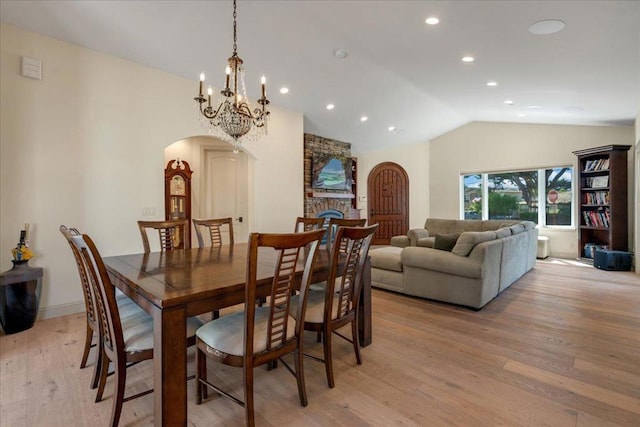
(387, 258)
(469, 239)
(445, 242)
(426, 242)
(467, 225)
(436, 225)
(528, 225)
(503, 232)
(516, 229)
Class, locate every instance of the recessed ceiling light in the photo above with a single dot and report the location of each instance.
(391, 128)
(521, 114)
(468, 59)
(284, 90)
(547, 26)
(364, 118)
(330, 106)
(508, 102)
(432, 20)
(340, 53)
(492, 83)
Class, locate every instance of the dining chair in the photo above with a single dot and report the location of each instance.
(337, 304)
(169, 237)
(125, 340)
(213, 226)
(125, 305)
(308, 224)
(334, 223)
(261, 335)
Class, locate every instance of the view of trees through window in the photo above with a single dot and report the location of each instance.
(542, 196)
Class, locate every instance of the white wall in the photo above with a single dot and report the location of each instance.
(414, 159)
(85, 147)
(485, 147)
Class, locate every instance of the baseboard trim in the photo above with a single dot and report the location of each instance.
(60, 310)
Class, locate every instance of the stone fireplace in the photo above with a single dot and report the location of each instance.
(326, 203)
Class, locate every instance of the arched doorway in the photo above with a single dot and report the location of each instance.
(220, 183)
(388, 198)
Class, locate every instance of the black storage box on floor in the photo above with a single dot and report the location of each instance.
(612, 260)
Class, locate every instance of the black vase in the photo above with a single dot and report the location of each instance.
(20, 290)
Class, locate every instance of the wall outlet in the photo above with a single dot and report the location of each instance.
(148, 211)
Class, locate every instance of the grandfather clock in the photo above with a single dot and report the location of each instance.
(177, 196)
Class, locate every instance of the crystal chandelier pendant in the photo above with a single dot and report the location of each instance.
(231, 117)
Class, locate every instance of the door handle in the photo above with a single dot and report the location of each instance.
(239, 219)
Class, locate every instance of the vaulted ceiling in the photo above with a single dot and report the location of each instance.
(398, 70)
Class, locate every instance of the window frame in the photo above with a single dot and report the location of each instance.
(542, 199)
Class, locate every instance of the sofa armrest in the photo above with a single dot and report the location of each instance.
(442, 261)
(415, 234)
(400, 241)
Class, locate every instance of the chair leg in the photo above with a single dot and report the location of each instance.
(104, 370)
(215, 314)
(248, 395)
(87, 346)
(318, 336)
(356, 343)
(201, 372)
(120, 379)
(328, 361)
(302, 389)
(97, 366)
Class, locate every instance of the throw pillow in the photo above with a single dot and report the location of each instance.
(445, 242)
(469, 239)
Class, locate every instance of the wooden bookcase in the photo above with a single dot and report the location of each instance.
(602, 198)
(177, 196)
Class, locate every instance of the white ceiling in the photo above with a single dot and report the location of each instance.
(399, 71)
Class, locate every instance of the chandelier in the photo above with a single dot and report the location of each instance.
(233, 120)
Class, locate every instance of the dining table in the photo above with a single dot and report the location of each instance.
(174, 285)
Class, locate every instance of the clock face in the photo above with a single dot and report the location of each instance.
(177, 187)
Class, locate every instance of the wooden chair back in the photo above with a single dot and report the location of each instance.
(89, 299)
(290, 249)
(352, 243)
(169, 237)
(103, 289)
(334, 223)
(308, 224)
(213, 225)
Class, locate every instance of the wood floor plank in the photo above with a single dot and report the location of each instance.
(560, 347)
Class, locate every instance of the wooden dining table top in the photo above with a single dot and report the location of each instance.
(174, 277)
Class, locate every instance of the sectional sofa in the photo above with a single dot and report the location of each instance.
(465, 262)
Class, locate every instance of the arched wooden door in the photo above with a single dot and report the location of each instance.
(388, 200)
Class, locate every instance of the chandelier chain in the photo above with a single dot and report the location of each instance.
(235, 38)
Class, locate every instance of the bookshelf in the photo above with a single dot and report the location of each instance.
(603, 212)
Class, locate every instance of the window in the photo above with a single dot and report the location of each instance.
(472, 196)
(543, 196)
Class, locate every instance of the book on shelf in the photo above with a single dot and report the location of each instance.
(600, 218)
(596, 165)
(597, 198)
(597, 181)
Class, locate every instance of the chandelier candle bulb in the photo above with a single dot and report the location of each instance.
(209, 93)
(228, 71)
(201, 81)
(263, 80)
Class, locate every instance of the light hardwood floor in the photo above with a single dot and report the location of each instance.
(560, 347)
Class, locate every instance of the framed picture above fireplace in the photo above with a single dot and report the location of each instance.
(331, 172)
